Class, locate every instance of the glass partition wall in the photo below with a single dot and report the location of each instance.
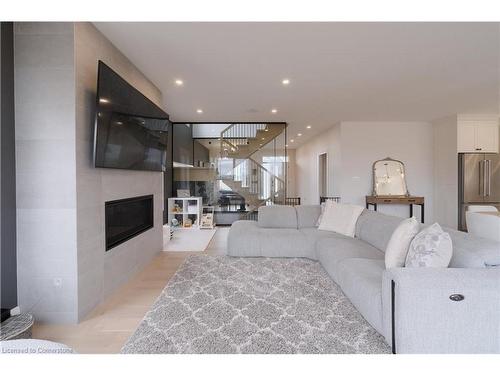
(235, 167)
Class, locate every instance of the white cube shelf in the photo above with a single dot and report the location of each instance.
(191, 206)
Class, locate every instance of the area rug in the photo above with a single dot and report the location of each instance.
(219, 304)
(188, 239)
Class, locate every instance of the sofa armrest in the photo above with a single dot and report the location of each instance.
(424, 312)
(243, 239)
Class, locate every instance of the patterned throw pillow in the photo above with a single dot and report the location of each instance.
(430, 248)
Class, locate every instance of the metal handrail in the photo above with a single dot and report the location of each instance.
(295, 201)
(324, 199)
(236, 133)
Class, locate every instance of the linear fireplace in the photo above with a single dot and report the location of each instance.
(127, 218)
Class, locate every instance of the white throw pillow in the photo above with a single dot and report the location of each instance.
(430, 248)
(322, 205)
(340, 218)
(397, 248)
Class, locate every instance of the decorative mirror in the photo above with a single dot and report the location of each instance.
(389, 178)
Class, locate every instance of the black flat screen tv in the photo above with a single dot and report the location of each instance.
(131, 132)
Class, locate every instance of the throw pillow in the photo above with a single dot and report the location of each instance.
(318, 222)
(430, 248)
(340, 218)
(399, 243)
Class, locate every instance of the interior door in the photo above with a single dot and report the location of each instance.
(323, 175)
(473, 175)
(493, 183)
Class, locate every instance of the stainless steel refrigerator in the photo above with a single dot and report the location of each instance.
(479, 177)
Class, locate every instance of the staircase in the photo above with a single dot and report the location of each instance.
(244, 175)
(240, 141)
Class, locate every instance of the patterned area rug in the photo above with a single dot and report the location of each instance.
(218, 304)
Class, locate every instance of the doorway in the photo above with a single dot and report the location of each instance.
(323, 174)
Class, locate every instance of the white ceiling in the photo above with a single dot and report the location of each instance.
(338, 71)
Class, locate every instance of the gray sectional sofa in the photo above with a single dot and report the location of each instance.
(410, 307)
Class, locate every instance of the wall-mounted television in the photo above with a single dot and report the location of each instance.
(131, 132)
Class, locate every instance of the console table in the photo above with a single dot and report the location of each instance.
(374, 201)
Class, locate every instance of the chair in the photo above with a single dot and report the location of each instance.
(481, 224)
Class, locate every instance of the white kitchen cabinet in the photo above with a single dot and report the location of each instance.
(466, 136)
(478, 136)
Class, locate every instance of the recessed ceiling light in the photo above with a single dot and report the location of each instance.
(199, 110)
(263, 138)
(291, 140)
(299, 135)
(286, 81)
(286, 145)
(308, 126)
(274, 110)
(179, 82)
(102, 100)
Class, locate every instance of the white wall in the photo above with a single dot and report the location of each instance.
(410, 142)
(45, 170)
(306, 166)
(63, 268)
(446, 172)
(352, 148)
(100, 272)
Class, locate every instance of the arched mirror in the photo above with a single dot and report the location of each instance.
(389, 178)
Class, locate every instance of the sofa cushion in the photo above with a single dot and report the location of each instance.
(307, 215)
(331, 251)
(472, 252)
(361, 281)
(247, 239)
(314, 234)
(285, 243)
(277, 216)
(376, 228)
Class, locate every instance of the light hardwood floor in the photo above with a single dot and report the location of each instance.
(111, 323)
